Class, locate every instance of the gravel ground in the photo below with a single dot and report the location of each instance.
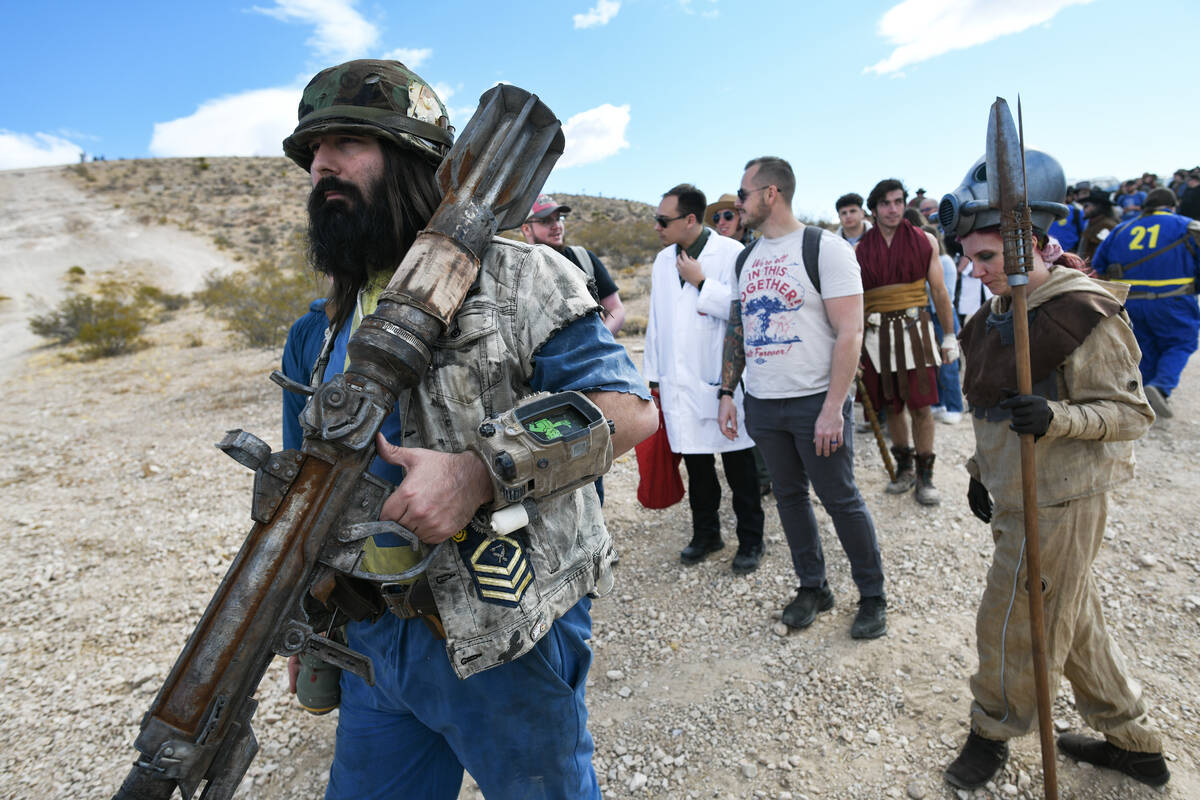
(119, 517)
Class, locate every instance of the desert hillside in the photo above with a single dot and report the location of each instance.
(119, 517)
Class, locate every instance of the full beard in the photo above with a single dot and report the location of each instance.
(350, 238)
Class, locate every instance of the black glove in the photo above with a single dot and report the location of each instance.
(1030, 414)
(979, 500)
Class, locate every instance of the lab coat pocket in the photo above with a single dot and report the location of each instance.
(703, 401)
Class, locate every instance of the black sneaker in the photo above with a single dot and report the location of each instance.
(871, 620)
(1149, 768)
(699, 549)
(978, 762)
(747, 558)
(801, 612)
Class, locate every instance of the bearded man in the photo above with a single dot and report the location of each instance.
(464, 678)
(547, 224)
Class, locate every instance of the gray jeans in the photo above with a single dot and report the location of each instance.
(783, 431)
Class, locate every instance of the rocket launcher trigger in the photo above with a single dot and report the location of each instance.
(549, 444)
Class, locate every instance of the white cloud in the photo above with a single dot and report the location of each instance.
(253, 123)
(603, 12)
(710, 13)
(412, 57)
(923, 29)
(595, 134)
(341, 32)
(460, 115)
(38, 150)
(74, 135)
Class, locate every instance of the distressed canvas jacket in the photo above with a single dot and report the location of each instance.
(481, 367)
(1095, 393)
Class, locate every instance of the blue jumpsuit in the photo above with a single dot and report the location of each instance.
(1067, 231)
(520, 728)
(1166, 327)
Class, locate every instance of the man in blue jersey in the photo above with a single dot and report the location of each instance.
(1068, 230)
(1158, 255)
(1131, 199)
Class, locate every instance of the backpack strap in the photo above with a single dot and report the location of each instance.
(741, 261)
(584, 259)
(811, 252)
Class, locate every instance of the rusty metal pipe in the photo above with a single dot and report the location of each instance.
(197, 731)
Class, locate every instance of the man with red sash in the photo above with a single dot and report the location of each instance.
(900, 358)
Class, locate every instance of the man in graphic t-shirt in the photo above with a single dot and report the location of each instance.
(797, 349)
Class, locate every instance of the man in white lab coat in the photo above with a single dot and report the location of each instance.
(691, 287)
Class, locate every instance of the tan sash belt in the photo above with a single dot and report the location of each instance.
(895, 297)
(892, 302)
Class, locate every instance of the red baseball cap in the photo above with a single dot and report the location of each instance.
(546, 206)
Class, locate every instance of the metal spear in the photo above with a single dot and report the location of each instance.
(1007, 192)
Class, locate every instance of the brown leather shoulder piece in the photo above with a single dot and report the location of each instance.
(1056, 328)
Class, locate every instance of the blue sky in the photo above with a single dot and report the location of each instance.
(652, 92)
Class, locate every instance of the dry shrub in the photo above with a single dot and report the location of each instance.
(83, 172)
(63, 323)
(115, 330)
(258, 307)
(148, 294)
(618, 243)
(107, 324)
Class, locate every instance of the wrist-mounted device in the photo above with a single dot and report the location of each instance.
(547, 445)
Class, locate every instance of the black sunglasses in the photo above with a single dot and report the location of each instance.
(743, 194)
(665, 221)
(722, 215)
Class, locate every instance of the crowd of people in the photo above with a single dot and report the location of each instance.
(879, 302)
(761, 331)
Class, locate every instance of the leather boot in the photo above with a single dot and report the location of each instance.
(906, 476)
(699, 549)
(1149, 768)
(926, 494)
(978, 762)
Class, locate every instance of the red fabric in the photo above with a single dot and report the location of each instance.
(659, 484)
(906, 260)
(916, 398)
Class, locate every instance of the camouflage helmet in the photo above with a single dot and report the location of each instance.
(376, 98)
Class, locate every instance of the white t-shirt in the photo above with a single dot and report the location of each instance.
(787, 335)
(972, 295)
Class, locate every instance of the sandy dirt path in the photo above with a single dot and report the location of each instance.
(48, 225)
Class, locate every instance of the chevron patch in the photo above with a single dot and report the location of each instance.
(499, 567)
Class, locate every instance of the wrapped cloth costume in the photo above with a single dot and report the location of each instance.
(900, 354)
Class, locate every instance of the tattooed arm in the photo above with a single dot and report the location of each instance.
(733, 355)
(733, 362)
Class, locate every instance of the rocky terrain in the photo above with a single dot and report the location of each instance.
(119, 517)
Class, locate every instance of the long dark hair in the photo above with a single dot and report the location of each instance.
(399, 206)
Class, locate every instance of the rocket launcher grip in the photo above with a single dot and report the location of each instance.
(196, 735)
(488, 179)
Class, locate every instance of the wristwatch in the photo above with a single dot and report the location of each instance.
(723, 392)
